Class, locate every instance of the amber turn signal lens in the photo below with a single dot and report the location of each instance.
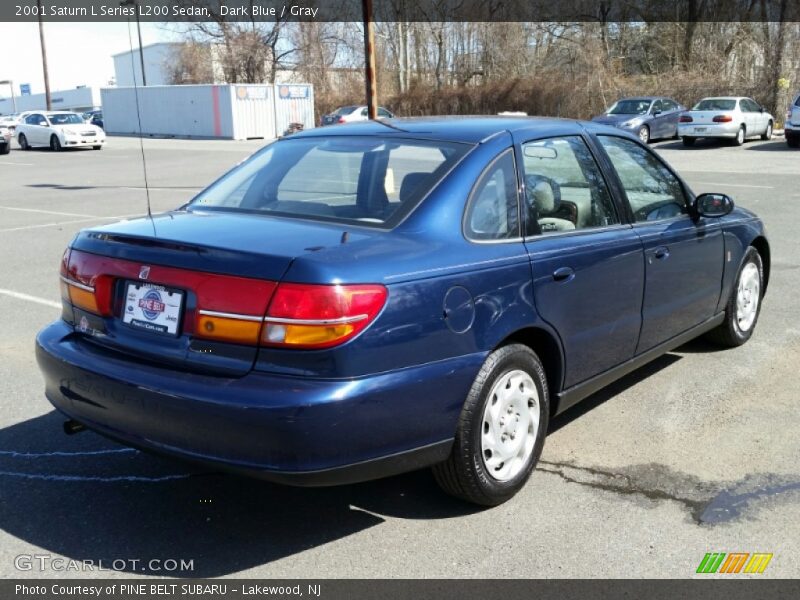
(223, 329)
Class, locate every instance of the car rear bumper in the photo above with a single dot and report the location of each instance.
(289, 429)
(721, 130)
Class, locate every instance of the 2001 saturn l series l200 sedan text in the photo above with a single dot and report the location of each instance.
(363, 300)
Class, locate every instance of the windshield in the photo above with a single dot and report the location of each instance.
(630, 107)
(65, 119)
(715, 104)
(369, 180)
(345, 110)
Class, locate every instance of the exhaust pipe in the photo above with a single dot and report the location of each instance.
(72, 427)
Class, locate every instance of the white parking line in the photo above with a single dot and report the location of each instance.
(29, 298)
(16, 164)
(48, 212)
(741, 185)
(24, 227)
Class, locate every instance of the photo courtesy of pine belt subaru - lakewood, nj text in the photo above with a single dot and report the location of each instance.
(357, 301)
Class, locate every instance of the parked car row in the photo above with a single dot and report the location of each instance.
(5, 139)
(791, 129)
(735, 118)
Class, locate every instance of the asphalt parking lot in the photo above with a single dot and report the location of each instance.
(698, 452)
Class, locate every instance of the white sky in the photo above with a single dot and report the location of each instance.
(77, 53)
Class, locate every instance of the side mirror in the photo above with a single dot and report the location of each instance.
(761, 109)
(713, 205)
(656, 112)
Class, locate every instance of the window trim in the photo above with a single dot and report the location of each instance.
(471, 198)
(689, 196)
(619, 209)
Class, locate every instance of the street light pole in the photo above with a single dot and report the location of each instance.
(48, 99)
(369, 58)
(135, 4)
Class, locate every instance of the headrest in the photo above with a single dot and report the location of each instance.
(410, 184)
(543, 197)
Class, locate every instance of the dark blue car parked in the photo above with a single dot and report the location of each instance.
(364, 300)
(647, 117)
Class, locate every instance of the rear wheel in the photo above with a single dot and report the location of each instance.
(23, 142)
(744, 304)
(501, 429)
(767, 135)
(688, 141)
(740, 137)
(644, 134)
(55, 144)
(5, 148)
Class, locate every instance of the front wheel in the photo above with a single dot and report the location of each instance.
(644, 134)
(689, 141)
(55, 143)
(5, 148)
(767, 135)
(744, 304)
(97, 147)
(501, 429)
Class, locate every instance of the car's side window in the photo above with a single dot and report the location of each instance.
(382, 112)
(657, 106)
(493, 211)
(669, 106)
(653, 192)
(34, 119)
(564, 188)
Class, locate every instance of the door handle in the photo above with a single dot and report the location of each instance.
(661, 253)
(563, 274)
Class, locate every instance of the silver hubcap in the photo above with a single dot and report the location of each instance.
(510, 425)
(644, 135)
(748, 296)
(740, 135)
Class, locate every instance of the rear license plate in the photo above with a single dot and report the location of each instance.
(152, 308)
(699, 129)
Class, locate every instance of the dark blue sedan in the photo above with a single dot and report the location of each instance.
(364, 300)
(648, 117)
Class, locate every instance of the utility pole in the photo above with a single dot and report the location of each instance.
(47, 97)
(10, 84)
(135, 5)
(369, 58)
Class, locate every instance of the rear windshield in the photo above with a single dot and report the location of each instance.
(630, 107)
(368, 180)
(345, 110)
(715, 104)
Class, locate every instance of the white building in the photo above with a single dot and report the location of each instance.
(158, 59)
(80, 99)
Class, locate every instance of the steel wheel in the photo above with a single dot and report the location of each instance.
(748, 296)
(510, 425)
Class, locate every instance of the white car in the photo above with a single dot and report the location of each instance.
(58, 130)
(731, 117)
(351, 114)
(792, 128)
(5, 139)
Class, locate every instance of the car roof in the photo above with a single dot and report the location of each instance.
(725, 98)
(470, 129)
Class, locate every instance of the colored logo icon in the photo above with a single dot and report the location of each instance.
(734, 562)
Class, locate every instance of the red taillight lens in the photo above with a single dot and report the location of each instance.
(722, 119)
(685, 119)
(340, 120)
(320, 316)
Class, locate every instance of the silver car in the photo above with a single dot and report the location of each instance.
(792, 128)
(732, 117)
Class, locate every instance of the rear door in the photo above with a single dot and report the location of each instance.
(683, 255)
(659, 123)
(587, 264)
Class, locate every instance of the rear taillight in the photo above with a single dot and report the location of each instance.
(685, 119)
(320, 316)
(722, 119)
(340, 120)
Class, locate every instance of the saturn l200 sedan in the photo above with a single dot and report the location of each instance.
(364, 300)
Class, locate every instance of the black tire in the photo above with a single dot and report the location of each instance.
(729, 334)
(55, 144)
(793, 142)
(688, 141)
(644, 134)
(5, 148)
(97, 147)
(767, 135)
(741, 136)
(464, 474)
(23, 142)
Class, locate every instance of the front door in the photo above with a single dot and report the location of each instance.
(683, 255)
(587, 266)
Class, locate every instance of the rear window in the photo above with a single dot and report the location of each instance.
(715, 104)
(797, 101)
(368, 180)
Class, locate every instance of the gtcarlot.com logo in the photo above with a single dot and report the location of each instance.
(734, 562)
(46, 562)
